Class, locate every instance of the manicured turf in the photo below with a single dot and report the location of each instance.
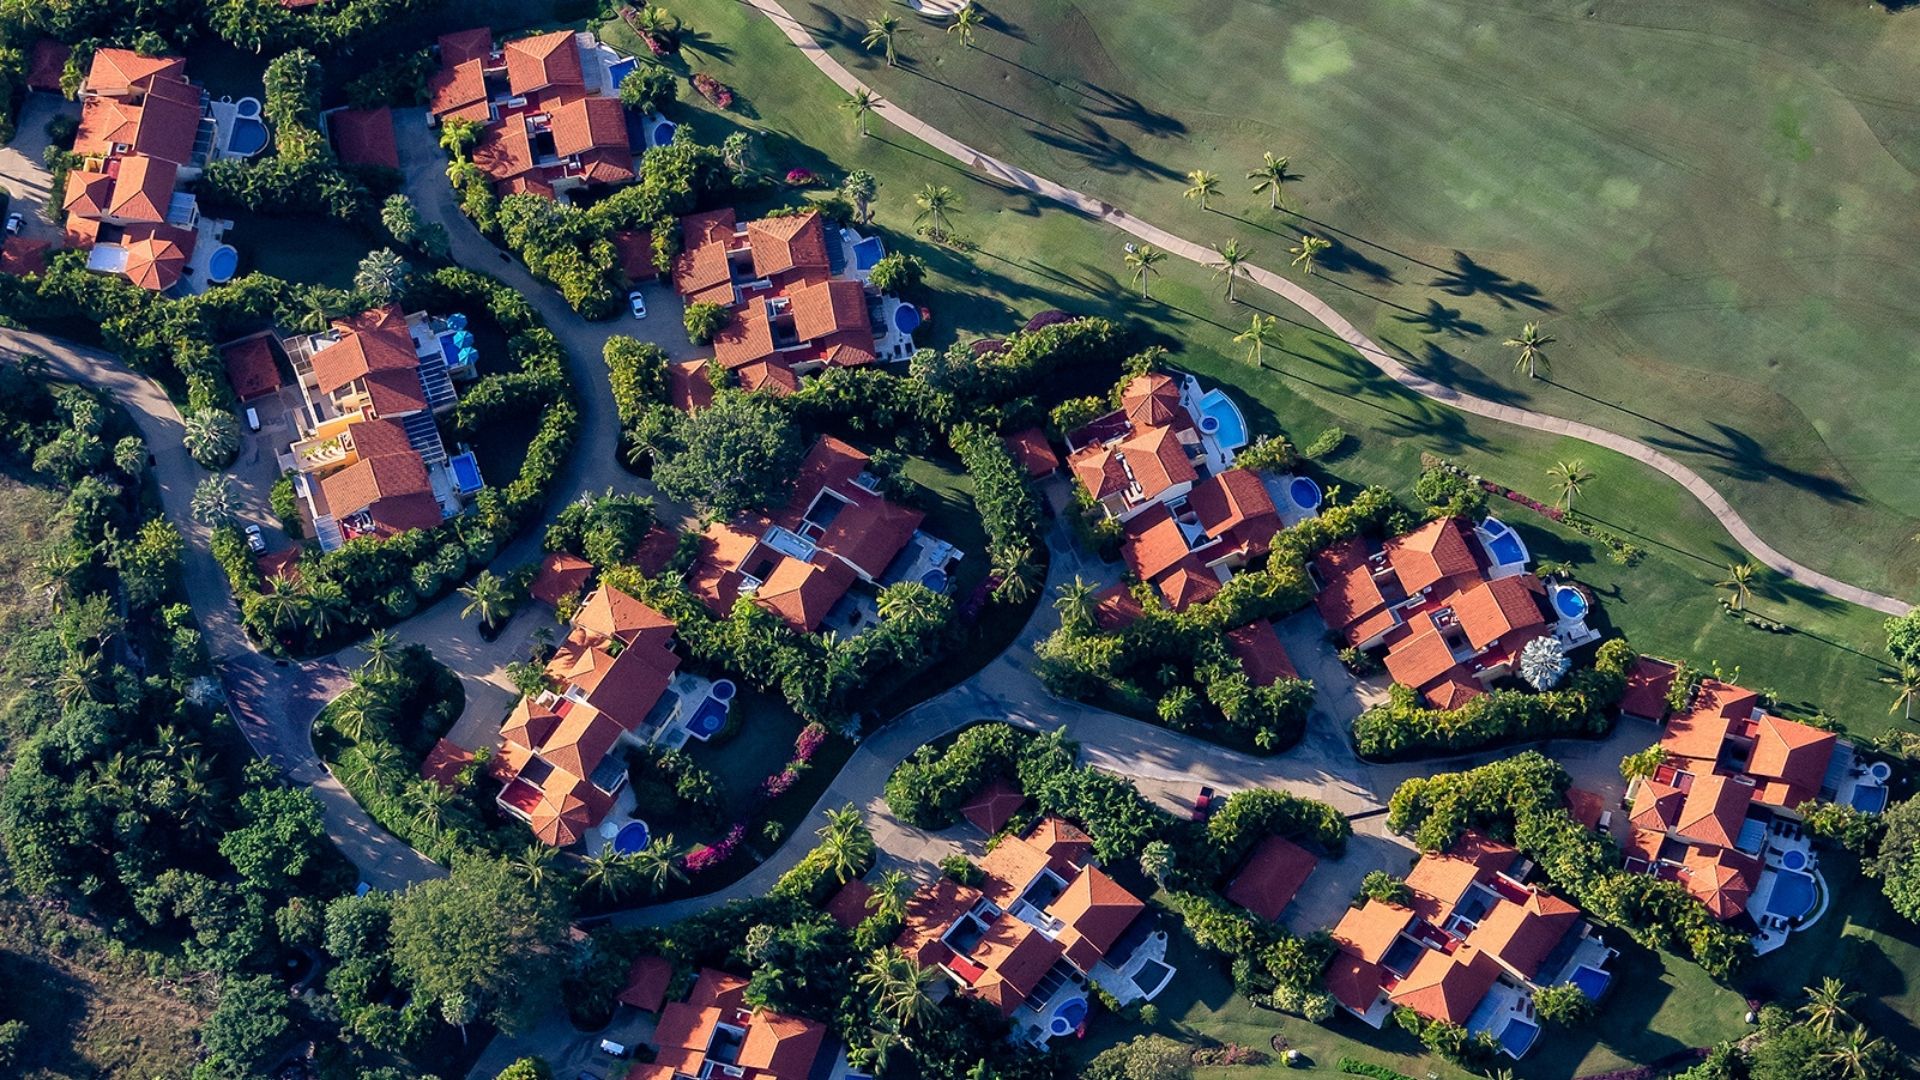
(296, 249)
(1032, 256)
(1707, 204)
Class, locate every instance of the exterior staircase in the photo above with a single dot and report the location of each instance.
(424, 435)
(437, 382)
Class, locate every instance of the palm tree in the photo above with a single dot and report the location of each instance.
(1532, 357)
(967, 21)
(880, 35)
(1143, 261)
(358, 768)
(845, 843)
(210, 435)
(1739, 583)
(284, 604)
(1307, 250)
(1233, 262)
(57, 570)
(458, 136)
(935, 201)
(351, 714)
(1076, 601)
(382, 275)
(1156, 859)
(897, 987)
(1907, 685)
(535, 863)
(859, 188)
(909, 601)
(383, 758)
(1568, 476)
(1853, 1054)
(1826, 1007)
(1202, 186)
(1256, 337)
(1271, 177)
(215, 502)
(383, 653)
(81, 680)
(860, 103)
(609, 874)
(1018, 575)
(488, 597)
(890, 894)
(326, 606)
(658, 863)
(430, 802)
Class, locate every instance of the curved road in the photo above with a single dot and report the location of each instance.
(1334, 322)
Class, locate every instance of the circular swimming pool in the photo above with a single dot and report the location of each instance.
(1209, 425)
(223, 264)
(1569, 602)
(721, 690)
(1304, 493)
(906, 318)
(632, 837)
(936, 580)
(1794, 860)
(1794, 895)
(1068, 1017)
(663, 132)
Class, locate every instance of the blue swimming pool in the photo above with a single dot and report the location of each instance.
(466, 473)
(1794, 860)
(663, 132)
(618, 71)
(906, 318)
(1304, 493)
(1794, 895)
(222, 264)
(247, 106)
(935, 580)
(868, 252)
(1869, 800)
(1229, 427)
(707, 720)
(1068, 1016)
(1570, 603)
(1517, 1037)
(248, 137)
(1590, 981)
(632, 837)
(1503, 543)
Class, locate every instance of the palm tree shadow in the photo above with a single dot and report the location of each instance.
(703, 44)
(1469, 278)
(1129, 110)
(1742, 457)
(1324, 227)
(914, 69)
(1441, 319)
(1344, 258)
(1448, 369)
(1100, 150)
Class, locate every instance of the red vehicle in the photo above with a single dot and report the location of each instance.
(1203, 805)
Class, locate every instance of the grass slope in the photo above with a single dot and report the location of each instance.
(1706, 203)
(1031, 256)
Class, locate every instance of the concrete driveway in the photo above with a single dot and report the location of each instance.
(22, 168)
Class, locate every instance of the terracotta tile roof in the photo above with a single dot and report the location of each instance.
(392, 487)
(1016, 957)
(747, 337)
(656, 550)
(780, 1046)
(1646, 844)
(1354, 982)
(1521, 935)
(106, 124)
(80, 232)
(930, 911)
(581, 740)
(530, 724)
(525, 184)
(701, 271)
(1350, 600)
(535, 63)
(782, 245)
(715, 579)
(1447, 986)
(1235, 507)
(1029, 447)
(612, 613)
(155, 257)
(1439, 880)
(1369, 930)
(647, 1070)
(118, 71)
(634, 247)
(1436, 550)
(444, 762)
(1010, 867)
(1067, 847)
(1152, 542)
(1271, 876)
(1187, 584)
(588, 123)
(48, 64)
(20, 256)
(1794, 754)
(251, 367)
(458, 91)
(88, 193)
(647, 979)
(633, 684)
(803, 593)
(1153, 400)
(1490, 610)
(1699, 731)
(169, 121)
(689, 389)
(1100, 470)
(829, 307)
(990, 807)
(562, 574)
(848, 905)
(1097, 911)
(1116, 609)
(505, 150)
(1585, 807)
(1257, 646)
(1420, 657)
(869, 533)
(1453, 690)
(1158, 461)
(1714, 810)
(142, 190)
(769, 376)
(1648, 682)
(372, 342)
(1656, 806)
(471, 44)
(1720, 878)
(364, 137)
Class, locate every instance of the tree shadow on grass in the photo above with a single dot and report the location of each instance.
(829, 27)
(1100, 150)
(1325, 228)
(1344, 258)
(1441, 319)
(915, 70)
(1742, 457)
(1131, 111)
(1448, 369)
(700, 43)
(1469, 278)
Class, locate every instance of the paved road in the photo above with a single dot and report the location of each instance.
(1334, 322)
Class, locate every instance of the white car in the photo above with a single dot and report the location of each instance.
(15, 222)
(638, 303)
(256, 543)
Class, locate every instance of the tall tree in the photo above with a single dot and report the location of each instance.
(1309, 249)
(1906, 687)
(1739, 583)
(1271, 176)
(936, 202)
(1076, 601)
(489, 597)
(1531, 350)
(381, 276)
(967, 21)
(859, 188)
(1827, 1005)
(1232, 266)
(861, 103)
(1257, 336)
(1568, 477)
(881, 33)
(215, 500)
(1143, 261)
(480, 935)
(1202, 186)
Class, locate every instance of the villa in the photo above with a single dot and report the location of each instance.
(1164, 439)
(714, 1034)
(145, 134)
(614, 681)
(1187, 546)
(550, 106)
(799, 303)
(1721, 814)
(802, 561)
(1450, 604)
(1043, 923)
(1471, 949)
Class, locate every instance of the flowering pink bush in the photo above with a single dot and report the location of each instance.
(799, 178)
(713, 89)
(1553, 513)
(777, 784)
(811, 738)
(712, 855)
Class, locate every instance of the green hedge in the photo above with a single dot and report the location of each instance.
(1353, 1067)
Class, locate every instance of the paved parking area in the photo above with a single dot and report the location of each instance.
(23, 169)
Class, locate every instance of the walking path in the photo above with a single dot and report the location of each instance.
(1334, 322)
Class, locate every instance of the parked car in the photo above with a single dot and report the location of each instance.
(639, 304)
(256, 543)
(15, 222)
(1203, 805)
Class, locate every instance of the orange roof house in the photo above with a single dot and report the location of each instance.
(1030, 448)
(1721, 879)
(1521, 935)
(251, 366)
(1648, 682)
(991, 807)
(1369, 930)
(647, 980)
(364, 137)
(542, 61)
(20, 256)
(1436, 550)
(1271, 876)
(562, 575)
(1067, 848)
(1236, 512)
(123, 72)
(387, 485)
(1790, 759)
(689, 1042)
(1097, 910)
(1447, 986)
(1257, 646)
(156, 257)
(1438, 881)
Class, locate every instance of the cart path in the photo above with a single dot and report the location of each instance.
(1333, 321)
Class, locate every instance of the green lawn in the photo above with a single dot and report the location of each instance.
(1033, 256)
(1707, 204)
(306, 250)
